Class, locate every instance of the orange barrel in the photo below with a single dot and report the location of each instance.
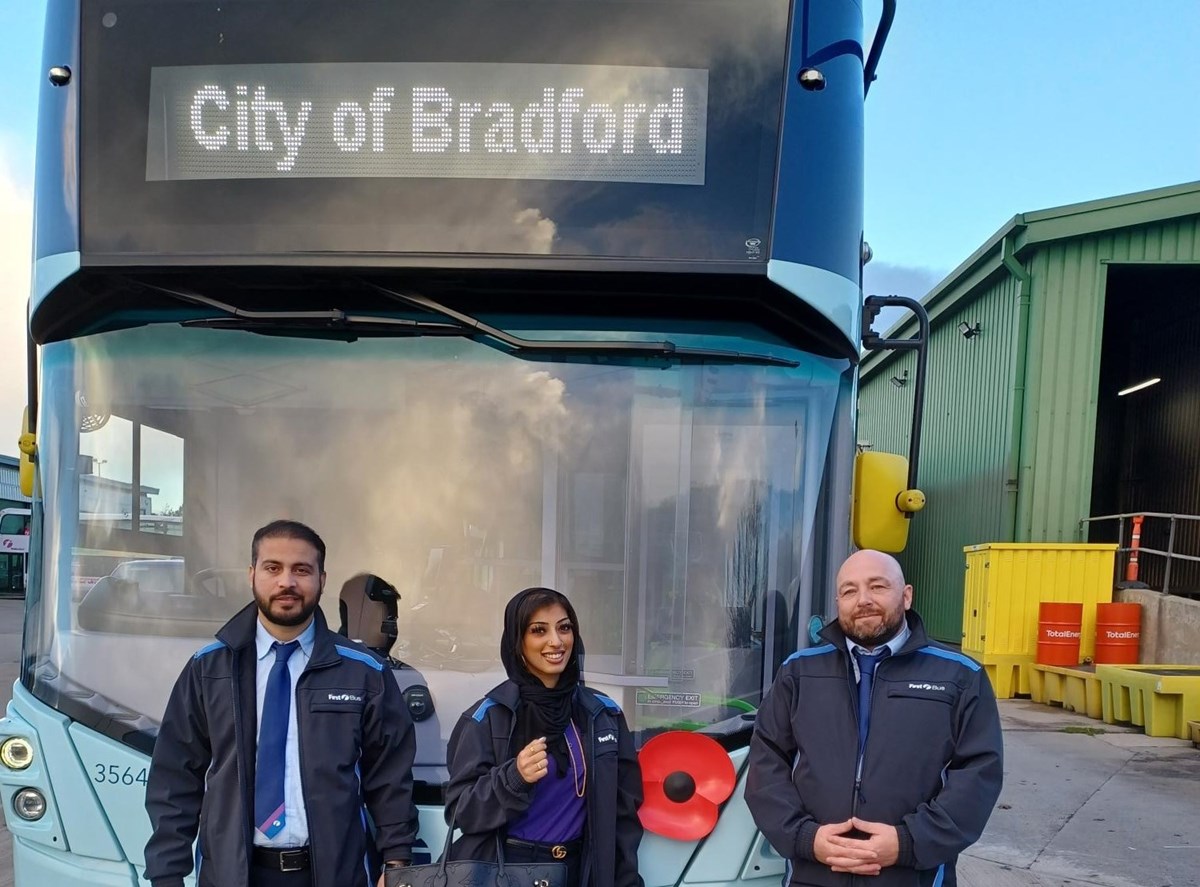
(1118, 633)
(1060, 627)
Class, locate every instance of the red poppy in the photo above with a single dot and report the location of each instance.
(685, 777)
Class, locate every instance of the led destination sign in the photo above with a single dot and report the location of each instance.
(428, 120)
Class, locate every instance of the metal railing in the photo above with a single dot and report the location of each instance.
(1135, 548)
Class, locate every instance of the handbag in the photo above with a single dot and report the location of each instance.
(477, 872)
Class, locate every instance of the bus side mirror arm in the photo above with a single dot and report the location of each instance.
(885, 495)
(920, 343)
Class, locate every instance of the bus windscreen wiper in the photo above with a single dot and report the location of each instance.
(336, 322)
(488, 334)
(320, 321)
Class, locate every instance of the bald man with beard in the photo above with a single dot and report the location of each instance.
(877, 757)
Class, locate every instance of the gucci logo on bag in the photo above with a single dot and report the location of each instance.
(541, 882)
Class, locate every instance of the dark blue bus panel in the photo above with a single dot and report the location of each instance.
(659, 137)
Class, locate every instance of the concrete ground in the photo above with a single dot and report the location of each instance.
(1118, 809)
(1115, 809)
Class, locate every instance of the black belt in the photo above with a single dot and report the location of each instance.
(285, 859)
(559, 851)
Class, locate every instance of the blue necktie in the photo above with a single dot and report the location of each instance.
(867, 663)
(269, 815)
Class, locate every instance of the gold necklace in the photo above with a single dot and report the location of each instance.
(580, 784)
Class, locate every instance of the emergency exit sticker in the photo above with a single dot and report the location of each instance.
(659, 697)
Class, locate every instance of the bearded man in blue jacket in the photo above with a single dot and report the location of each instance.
(282, 743)
(877, 757)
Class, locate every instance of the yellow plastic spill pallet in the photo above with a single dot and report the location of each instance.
(1075, 689)
(1161, 699)
(1009, 674)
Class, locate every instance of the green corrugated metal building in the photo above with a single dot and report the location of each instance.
(1010, 428)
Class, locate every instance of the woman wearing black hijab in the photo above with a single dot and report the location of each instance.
(545, 762)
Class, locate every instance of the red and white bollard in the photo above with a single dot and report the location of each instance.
(1135, 542)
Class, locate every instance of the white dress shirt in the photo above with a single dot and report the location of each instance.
(894, 645)
(295, 829)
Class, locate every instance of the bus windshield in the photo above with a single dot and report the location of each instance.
(673, 503)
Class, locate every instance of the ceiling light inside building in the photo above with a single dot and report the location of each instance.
(1138, 387)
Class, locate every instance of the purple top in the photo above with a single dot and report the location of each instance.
(557, 812)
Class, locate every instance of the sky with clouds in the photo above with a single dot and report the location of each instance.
(982, 110)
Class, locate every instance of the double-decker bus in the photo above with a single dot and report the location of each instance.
(491, 293)
(14, 549)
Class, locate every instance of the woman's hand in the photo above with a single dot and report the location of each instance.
(531, 761)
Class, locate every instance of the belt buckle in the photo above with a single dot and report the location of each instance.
(292, 860)
(558, 851)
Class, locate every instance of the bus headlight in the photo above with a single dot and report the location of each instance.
(29, 804)
(16, 753)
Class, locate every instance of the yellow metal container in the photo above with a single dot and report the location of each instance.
(1004, 584)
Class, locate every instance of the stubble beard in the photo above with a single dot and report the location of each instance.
(887, 630)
